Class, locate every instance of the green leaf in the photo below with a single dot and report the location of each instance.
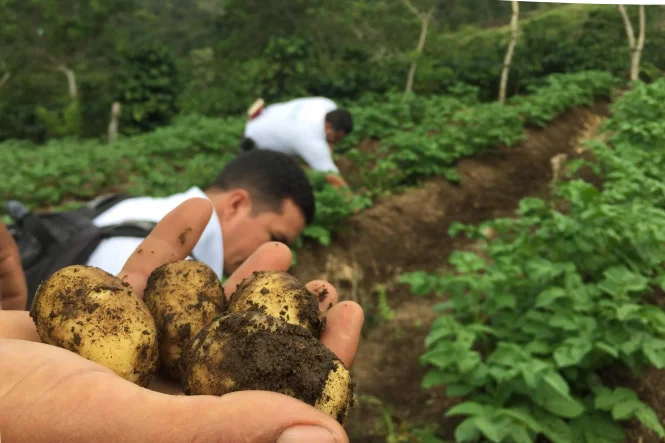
(505, 301)
(619, 279)
(523, 417)
(467, 431)
(625, 409)
(553, 395)
(468, 408)
(436, 377)
(520, 435)
(654, 350)
(597, 428)
(489, 429)
(443, 327)
(466, 262)
(572, 352)
(564, 321)
(649, 418)
(439, 358)
(625, 311)
(538, 348)
(554, 428)
(607, 349)
(459, 390)
(607, 398)
(549, 296)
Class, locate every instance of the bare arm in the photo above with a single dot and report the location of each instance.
(13, 288)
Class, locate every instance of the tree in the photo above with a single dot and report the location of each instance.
(509, 53)
(62, 34)
(425, 19)
(636, 47)
(148, 88)
(6, 74)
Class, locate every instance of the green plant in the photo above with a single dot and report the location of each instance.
(149, 89)
(62, 123)
(558, 297)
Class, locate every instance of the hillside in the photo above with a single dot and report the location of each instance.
(508, 257)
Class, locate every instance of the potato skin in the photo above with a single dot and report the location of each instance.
(96, 315)
(280, 295)
(183, 297)
(249, 350)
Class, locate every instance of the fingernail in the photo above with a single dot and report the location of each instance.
(306, 434)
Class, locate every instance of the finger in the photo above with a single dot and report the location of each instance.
(272, 256)
(172, 239)
(324, 292)
(344, 321)
(13, 287)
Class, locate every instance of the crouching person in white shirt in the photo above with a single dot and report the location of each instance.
(305, 127)
(260, 196)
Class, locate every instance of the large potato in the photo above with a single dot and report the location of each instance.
(281, 295)
(253, 351)
(183, 297)
(94, 314)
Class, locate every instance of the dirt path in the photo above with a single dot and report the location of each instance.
(409, 232)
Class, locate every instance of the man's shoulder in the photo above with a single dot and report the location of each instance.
(323, 102)
(146, 208)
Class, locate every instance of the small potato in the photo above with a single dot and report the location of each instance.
(252, 351)
(183, 297)
(281, 295)
(96, 315)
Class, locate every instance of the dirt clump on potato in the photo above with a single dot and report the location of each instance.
(94, 314)
(183, 297)
(252, 351)
(280, 295)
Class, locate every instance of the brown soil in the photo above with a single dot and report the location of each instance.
(491, 186)
(409, 232)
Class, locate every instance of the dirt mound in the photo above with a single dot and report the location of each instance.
(410, 231)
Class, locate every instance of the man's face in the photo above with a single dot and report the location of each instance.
(333, 137)
(244, 232)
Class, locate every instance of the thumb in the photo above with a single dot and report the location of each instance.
(248, 416)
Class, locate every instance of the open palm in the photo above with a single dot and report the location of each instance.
(48, 394)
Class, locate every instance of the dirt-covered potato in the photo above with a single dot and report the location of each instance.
(281, 295)
(183, 297)
(252, 351)
(90, 312)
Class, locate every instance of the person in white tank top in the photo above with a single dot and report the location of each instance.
(305, 127)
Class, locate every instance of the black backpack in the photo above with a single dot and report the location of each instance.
(48, 242)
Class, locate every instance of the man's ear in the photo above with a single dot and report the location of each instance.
(236, 201)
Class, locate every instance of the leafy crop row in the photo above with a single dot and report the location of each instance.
(562, 296)
(420, 137)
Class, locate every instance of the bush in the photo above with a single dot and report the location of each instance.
(149, 88)
(559, 298)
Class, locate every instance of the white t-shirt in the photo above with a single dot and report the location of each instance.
(296, 127)
(112, 253)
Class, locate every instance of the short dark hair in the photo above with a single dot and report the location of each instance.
(269, 177)
(340, 120)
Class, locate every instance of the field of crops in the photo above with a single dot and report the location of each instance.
(529, 329)
(509, 257)
(419, 138)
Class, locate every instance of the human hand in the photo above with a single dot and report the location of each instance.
(50, 394)
(336, 181)
(13, 287)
